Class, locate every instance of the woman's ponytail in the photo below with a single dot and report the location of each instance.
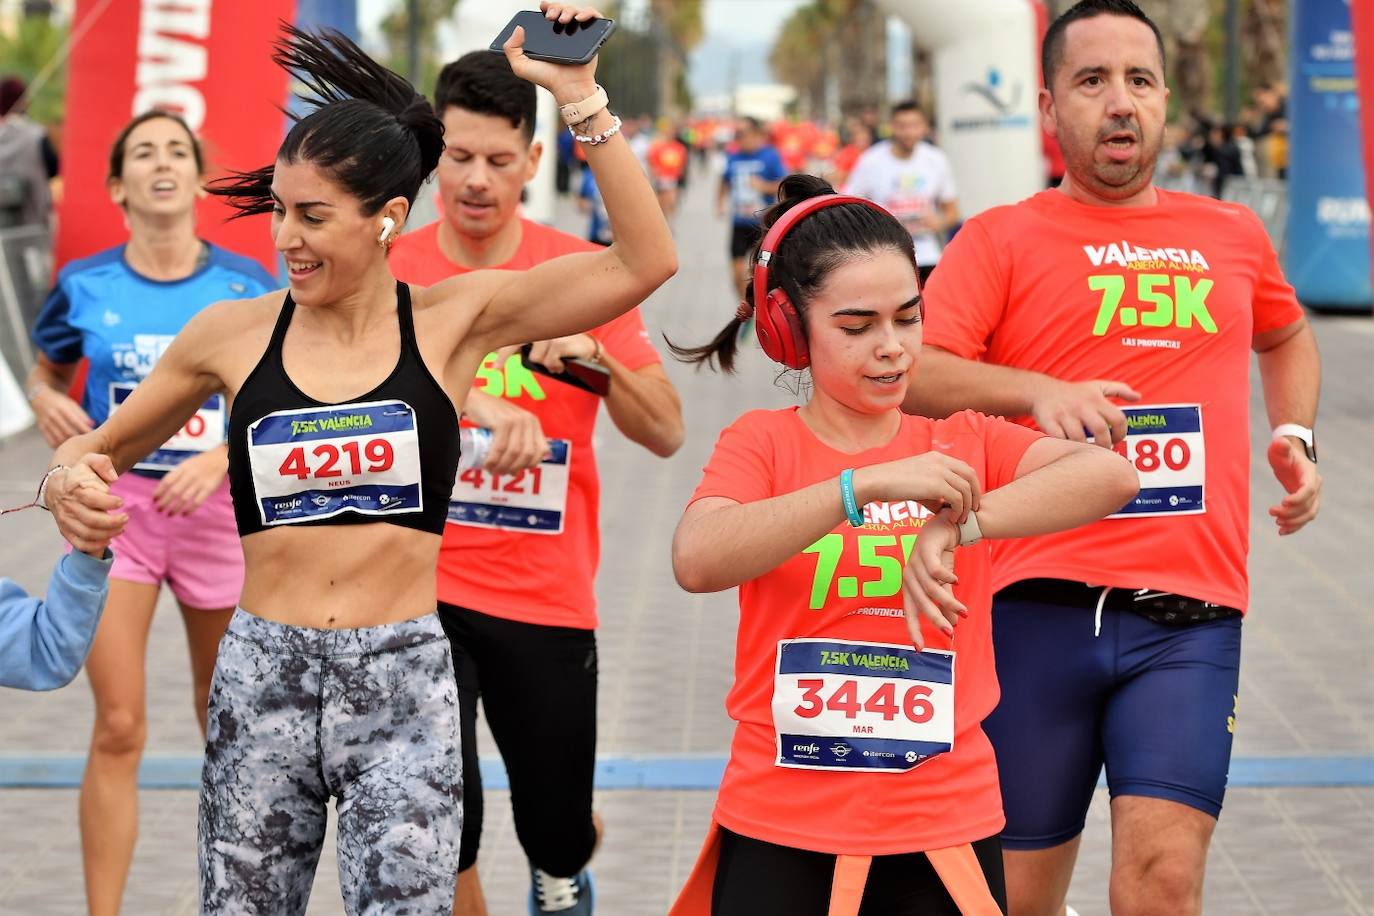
(369, 129)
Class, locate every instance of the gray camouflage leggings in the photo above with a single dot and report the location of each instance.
(368, 716)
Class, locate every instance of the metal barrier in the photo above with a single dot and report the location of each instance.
(1268, 197)
(25, 274)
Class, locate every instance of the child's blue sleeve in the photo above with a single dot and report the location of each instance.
(43, 644)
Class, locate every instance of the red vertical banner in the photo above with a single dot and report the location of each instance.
(1362, 22)
(208, 60)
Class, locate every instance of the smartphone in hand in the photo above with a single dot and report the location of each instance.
(573, 43)
(579, 373)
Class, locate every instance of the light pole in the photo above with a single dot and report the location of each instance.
(413, 40)
(1232, 62)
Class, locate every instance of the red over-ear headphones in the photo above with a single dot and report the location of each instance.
(777, 321)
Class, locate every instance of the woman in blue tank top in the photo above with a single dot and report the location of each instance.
(119, 310)
(335, 678)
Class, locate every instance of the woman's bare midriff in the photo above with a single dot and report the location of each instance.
(341, 576)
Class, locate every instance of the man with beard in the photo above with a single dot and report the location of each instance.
(1112, 311)
(516, 593)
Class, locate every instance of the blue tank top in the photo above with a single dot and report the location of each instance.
(121, 321)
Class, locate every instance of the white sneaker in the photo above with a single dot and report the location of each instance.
(572, 896)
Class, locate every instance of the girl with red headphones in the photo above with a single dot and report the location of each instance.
(859, 778)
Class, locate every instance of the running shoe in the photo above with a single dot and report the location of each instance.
(569, 896)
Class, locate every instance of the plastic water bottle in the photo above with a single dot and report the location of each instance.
(474, 442)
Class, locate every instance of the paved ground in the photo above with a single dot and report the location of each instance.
(666, 659)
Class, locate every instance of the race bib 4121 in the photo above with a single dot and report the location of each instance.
(533, 501)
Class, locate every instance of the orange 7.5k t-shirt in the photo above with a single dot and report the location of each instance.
(545, 579)
(1165, 298)
(847, 787)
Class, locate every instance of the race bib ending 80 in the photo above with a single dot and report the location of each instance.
(204, 431)
(1164, 444)
(868, 707)
(316, 462)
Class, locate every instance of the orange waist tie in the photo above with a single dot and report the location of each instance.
(957, 867)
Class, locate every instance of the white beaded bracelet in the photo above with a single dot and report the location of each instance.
(598, 139)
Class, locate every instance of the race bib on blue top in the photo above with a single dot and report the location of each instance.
(857, 706)
(316, 462)
(204, 431)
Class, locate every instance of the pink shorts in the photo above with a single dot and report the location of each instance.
(198, 555)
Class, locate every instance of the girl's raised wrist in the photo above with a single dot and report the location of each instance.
(868, 485)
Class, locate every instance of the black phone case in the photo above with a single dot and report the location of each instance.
(510, 27)
(590, 377)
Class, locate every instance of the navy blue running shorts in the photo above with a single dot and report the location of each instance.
(1155, 703)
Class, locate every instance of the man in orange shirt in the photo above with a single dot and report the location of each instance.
(516, 587)
(1119, 642)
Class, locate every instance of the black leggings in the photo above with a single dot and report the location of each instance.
(754, 877)
(538, 690)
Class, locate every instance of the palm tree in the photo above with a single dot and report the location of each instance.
(801, 59)
(395, 26)
(1264, 41)
(839, 41)
(1184, 25)
(679, 24)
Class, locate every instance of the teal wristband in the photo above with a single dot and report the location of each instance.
(851, 505)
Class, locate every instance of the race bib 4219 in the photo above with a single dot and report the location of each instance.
(316, 462)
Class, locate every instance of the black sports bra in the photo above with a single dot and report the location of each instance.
(388, 456)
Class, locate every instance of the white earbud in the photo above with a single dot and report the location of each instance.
(387, 225)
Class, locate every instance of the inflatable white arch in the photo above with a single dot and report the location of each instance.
(985, 56)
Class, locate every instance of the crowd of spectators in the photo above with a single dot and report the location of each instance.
(1203, 152)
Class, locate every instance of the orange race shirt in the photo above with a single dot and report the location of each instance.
(844, 732)
(540, 578)
(1164, 298)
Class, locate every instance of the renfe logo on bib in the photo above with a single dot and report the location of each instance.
(871, 707)
(202, 432)
(1165, 445)
(316, 462)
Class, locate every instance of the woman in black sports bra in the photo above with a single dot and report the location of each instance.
(335, 678)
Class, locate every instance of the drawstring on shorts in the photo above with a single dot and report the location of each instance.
(1097, 616)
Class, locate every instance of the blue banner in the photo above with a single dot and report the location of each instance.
(1327, 250)
(331, 14)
